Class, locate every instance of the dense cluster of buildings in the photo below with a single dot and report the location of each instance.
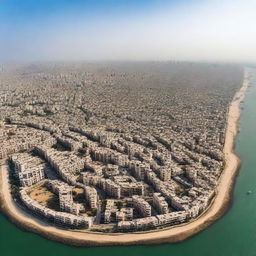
(142, 143)
(60, 218)
(153, 221)
(65, 196)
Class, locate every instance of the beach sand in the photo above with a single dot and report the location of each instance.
(175, 234)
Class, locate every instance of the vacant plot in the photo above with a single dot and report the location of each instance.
(44, 197)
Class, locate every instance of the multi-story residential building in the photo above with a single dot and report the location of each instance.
(112, 189)
(160, 204)
(29, 169)
(142, 206)
(124, 214)
(165, 174)
(91, 196)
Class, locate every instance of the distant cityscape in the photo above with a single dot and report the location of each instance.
(115, 147)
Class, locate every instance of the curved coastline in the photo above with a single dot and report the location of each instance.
(169, 235)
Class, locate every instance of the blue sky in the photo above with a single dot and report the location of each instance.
(127, 30)
(46, 8)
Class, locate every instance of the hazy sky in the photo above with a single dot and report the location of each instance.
(200, 30)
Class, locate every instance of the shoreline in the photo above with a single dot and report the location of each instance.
(218, 207)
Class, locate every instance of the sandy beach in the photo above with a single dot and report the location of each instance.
(176, 234)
